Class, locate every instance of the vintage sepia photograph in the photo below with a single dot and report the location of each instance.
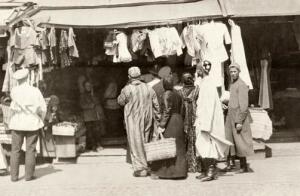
(149, 97)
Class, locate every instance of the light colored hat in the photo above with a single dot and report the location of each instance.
(21, 74)
(235, 65)
(164, 72)
(134, 72)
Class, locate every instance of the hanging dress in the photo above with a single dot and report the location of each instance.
(265, 94)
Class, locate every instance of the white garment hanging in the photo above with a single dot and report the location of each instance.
(265, 94)
(123, 53)
(238, 54)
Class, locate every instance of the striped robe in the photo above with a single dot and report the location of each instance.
(141, 107)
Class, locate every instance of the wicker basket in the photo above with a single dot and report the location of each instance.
(164, 148)
(6, 115)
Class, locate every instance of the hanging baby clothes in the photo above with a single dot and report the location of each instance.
(23, 42)
(73, 52)
(265, 94)
(123, 53)
(238, 54)
(215, 33)
(52, 45)
(63, 48)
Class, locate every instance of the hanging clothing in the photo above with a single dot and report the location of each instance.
(238, 54)
(123, 55)
(23, 41)
(140, 108)
(210, 131)
(73, 52)
(138, 38)
(190, 96)
(9, 81)
(110, 44)
(165, 42)
(63, 48)
(238, 113)
(265, 93)
(215, 34)
(52, 45)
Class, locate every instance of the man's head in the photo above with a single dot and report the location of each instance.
(154, 70)
(203, 68)
(21, 75)
(187, 79)
(234, 71)
(134, 73)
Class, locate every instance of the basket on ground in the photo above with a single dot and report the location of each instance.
(165, 148)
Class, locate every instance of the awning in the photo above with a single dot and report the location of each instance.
(131, 15)
(253, 8)
(4, 14)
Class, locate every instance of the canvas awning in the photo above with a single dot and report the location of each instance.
(128, 16)
(4, 14)
(256, 8)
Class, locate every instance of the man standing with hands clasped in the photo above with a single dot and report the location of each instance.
(238, 119)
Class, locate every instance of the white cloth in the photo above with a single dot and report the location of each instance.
(210, 130)
(238, 54)
(165, 42)
(73, 51)
(9, 81)
(261, 126)
(30, 98)
(123, 54)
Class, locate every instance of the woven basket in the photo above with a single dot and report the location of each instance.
(6, 115)
(165, 148)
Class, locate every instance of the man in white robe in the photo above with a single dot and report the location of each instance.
(211, 144)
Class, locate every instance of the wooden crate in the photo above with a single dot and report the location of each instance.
(65, 146)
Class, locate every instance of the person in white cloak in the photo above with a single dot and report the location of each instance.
(211, 144)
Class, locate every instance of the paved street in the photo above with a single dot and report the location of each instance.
(110, 175)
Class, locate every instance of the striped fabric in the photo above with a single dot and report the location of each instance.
(138, 99)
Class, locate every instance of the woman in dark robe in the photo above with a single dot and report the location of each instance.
(172, 124)
(190, 92)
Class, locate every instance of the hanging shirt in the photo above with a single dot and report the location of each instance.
(215, 33)
(138, 38)
(9, 81)
(165, 42)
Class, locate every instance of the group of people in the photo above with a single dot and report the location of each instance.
(208, 126)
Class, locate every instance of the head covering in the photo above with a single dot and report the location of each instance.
(134, 72)
(21, 74)
(164, 72)
(235, 65)
(168, 83)
(206, 66)
(187, 79)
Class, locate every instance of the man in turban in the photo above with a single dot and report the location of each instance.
(140, 109)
